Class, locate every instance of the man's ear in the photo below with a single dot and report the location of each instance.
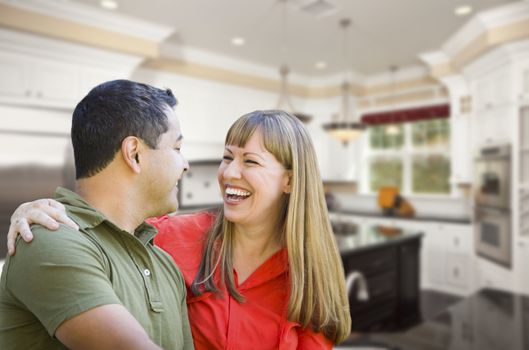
(130, 151)
(287, 186)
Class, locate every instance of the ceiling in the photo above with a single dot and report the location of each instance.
(383, 32)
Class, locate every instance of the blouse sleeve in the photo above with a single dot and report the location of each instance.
(310, 340)
(295, 338)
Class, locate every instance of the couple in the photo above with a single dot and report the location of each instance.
(262, 273)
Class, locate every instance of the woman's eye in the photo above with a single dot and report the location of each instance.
(249, 161)
(227, 158)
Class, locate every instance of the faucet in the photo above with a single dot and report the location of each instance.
(362, 293)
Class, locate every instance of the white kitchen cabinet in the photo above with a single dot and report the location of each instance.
(493, 89)
(341, 165)
(38, 82)
(447, 258)
(15, 77)
(494, 126)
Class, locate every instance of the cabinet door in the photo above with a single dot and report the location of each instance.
(55, 84)
(494, 125)
(457, 270)
(14, 77)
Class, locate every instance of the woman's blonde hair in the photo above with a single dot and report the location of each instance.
(317, 296)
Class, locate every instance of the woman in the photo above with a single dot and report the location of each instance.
(263, 273)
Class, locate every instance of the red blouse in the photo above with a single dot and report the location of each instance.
(219, 321)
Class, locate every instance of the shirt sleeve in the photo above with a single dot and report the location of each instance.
(58, 275)
(310, 340)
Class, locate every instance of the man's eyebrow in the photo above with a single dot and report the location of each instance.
(229, 150)
(180, 137)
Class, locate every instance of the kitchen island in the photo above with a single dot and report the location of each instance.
(384, 262)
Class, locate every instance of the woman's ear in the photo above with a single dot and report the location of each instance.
(287, 186)
(130, 151)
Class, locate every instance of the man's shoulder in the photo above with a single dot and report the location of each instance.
(55, 246)
(63, 236)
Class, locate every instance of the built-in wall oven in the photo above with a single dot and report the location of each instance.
(492, 199)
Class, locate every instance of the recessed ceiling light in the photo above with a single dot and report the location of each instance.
(463, 10)
(109, 4)
(237, 41)
(320, 65)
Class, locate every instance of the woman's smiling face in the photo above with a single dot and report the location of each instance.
(253, 183)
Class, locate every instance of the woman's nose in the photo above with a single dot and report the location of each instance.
(232, 170)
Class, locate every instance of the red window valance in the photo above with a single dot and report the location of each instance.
(407, 115)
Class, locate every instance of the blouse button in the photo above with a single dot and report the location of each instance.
(147, 272)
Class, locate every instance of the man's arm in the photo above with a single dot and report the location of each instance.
(104, 327)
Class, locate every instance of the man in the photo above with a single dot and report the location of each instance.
(105, 286)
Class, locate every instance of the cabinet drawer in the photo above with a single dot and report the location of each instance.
(372, 263)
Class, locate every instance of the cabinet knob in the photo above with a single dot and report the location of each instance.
(28, 93)
(39, 94)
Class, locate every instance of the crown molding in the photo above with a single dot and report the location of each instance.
(483, 22)
(94, 17)
(14, 42)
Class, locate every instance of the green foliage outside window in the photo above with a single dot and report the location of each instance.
(430, 133)
(431, 174)
(385, 172)
(387, 136)
(430, 169)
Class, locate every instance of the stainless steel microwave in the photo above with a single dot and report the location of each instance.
(493, 177)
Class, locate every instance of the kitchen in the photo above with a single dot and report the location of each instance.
(448, 125)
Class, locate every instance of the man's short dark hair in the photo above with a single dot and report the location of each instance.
(111, 112)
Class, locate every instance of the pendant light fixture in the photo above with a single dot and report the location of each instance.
(284, 102)
(343, 125)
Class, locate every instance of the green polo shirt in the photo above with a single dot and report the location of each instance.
(63, 273)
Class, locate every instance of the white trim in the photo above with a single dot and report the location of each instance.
(41, 47)
(89, 15)
(434, 58)
(484, 21)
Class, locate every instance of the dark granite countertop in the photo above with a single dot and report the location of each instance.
(487, 320)
(451, 220)
(361, 238)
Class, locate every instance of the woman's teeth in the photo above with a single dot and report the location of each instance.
(236, 193)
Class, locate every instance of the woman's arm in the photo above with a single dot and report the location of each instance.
(46, 212)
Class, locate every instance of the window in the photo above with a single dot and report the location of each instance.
(413, 156)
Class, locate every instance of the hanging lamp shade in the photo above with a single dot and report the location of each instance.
(284, 102)
(344, 126)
